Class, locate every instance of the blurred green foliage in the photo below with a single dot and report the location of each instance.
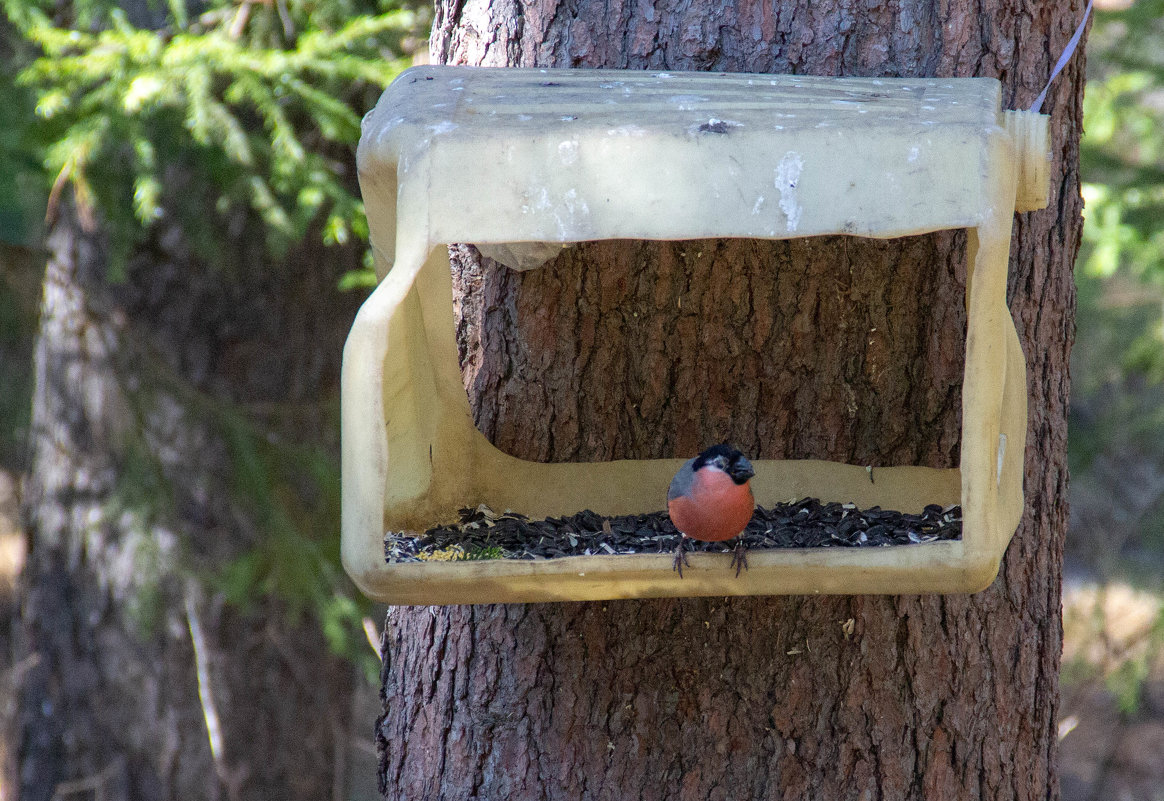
(292, 491)
(1118, 362)
(253, 104)
(1116, 444)
(199, 112)
(1122, 163)
(1123, 152)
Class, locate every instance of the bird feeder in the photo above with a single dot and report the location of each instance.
(523, 161)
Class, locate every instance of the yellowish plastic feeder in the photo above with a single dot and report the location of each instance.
(523, 161)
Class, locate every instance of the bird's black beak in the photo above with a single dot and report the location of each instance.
(741, 470)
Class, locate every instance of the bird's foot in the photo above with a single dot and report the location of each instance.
(680, 557)
(739, 558)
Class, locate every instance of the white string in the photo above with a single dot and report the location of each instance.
(1063, 59)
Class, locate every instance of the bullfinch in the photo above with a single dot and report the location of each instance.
(710, 500)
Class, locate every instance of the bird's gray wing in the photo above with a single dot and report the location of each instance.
(681, 483)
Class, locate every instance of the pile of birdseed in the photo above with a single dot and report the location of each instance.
(808, 523)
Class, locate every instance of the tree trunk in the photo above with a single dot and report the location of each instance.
(837, 348)
(138, 681)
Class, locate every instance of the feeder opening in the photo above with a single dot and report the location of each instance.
(827, 347)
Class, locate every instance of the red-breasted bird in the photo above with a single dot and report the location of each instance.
(710, 500)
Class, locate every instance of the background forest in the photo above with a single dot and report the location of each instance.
(213, 142)
(1112, 719)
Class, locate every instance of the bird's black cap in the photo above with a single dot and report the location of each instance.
(728, 459)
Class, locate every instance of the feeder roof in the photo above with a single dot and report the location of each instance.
(574, 155)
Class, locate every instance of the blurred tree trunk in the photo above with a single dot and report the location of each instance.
(132, 664)
(836, 348)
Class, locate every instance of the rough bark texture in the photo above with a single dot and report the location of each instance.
(801, 346)
(123, 649)
(837, 348)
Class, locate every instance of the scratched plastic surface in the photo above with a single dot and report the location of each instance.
(528, 160)
(574, 155)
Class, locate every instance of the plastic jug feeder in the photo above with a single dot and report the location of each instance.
(563, 156)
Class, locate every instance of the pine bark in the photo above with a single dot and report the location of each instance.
(835, 348)
(129, 657)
